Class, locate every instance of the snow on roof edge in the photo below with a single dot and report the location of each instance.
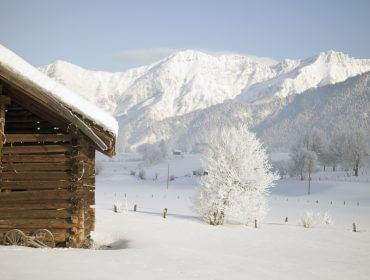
(72, 100)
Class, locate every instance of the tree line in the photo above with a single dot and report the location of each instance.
(348, 149)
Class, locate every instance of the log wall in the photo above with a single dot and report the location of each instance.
(47, 178)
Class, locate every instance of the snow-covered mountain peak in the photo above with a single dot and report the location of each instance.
(297, 76)
(193, 80)
(332, 56)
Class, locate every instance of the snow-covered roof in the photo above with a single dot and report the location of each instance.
(15, 67)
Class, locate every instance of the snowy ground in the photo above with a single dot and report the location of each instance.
(143, 245)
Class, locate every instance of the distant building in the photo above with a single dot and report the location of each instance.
(177, 153)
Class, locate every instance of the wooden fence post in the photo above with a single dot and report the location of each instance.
(135, 207)
(165, 213)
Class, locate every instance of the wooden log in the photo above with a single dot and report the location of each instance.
(22, 119)
(18, 113)
(22, 167)
(36, 223)
(40, 176)
(14, 130)
(35, 214)
(4, 99)
(36, 205)
(40, 195)
(38, 185)
(91, 198)
(35, 158)
(35, 125)
(10, 138)
(36, 149)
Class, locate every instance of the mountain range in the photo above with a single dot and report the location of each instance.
(179, 98)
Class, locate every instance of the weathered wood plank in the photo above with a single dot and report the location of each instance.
(36, 149)
(23, 119)
(18, 113)
(41, 176)
(34, 125)
(4, 100)
(10, 138)
(37, 223)
(35, 158)
(36, 205)
(35, 214)
(40, 195)
(22, 167)
(38, 185)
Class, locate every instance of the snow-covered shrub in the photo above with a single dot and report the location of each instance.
(117, 207)
(325, 218)
(142, 174)
(132, 173)
(309, 219)
(239, 177)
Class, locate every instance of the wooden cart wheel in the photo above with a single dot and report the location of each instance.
(44, 237)
(15, 237)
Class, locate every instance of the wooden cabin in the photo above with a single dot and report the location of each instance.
(47, 154)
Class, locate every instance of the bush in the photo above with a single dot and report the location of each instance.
(117, 207)
(142, 174)
(310, 220)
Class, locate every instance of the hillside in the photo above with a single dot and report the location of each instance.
(180, 96)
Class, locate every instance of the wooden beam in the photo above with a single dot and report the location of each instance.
(36, 223)
(39, 176)
(11, 138)
(35, 214)
(4, 100)
(36, 149)
(40, 195)
(38, 185)
(35, 205)
(22, 167)
(35, 158)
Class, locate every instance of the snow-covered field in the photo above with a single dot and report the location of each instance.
(143, 245)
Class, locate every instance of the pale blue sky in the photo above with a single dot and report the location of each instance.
(114, 35)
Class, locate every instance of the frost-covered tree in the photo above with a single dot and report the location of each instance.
(313, 141)
(297, 161)
(326, 158)
(310, 159)
(238, 179)
(153, 153)
(281, 167)
(356, 150)
(336, 150)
